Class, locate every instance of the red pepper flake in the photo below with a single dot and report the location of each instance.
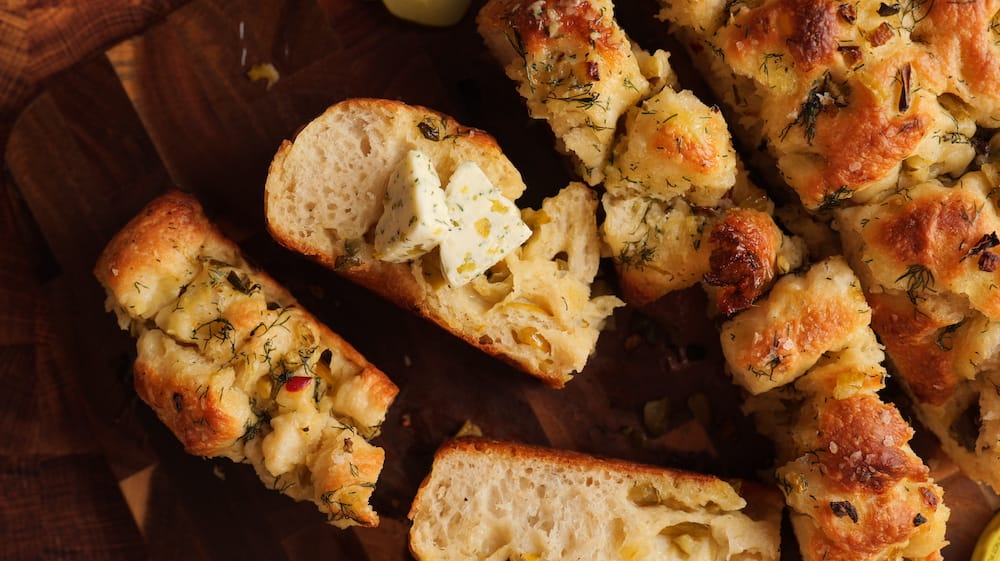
(297, 383)
(930, 497)
(881, 35)
(988, 262)
(348, 445)
(851, 53)
(593, 71)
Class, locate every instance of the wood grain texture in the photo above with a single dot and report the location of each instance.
(174, 106)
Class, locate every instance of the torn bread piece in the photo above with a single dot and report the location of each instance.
(235, 368)
(487, 499)
(670, 172)
(532, 307)
(573, 65)
(855, 488)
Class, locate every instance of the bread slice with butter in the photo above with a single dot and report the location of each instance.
(236, 369)
(487, 499)
(325, 195)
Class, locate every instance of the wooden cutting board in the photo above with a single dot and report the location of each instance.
(87, 471)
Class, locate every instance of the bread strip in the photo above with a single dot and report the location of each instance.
(534, 309)
(486, 499)
(855, 488)
(926, 261)
(236, 369)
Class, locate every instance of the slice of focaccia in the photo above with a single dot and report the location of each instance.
(486, 499)
(855, 487)
(852, 99)
(871, 109)
(573, 65)
(326, 192)
(235, 368)
(668, 165)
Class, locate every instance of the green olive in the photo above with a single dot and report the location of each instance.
(438, 13)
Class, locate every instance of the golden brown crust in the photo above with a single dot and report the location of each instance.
(711, 489)
(839, 92)
(155, 246)
(577, 21)
(963, 36)
(919, 346)
(744, 248)
(947, 234)
(858, 145)
(225, 355)
(864, 437)
(198, 418)
(859, 492)
(807, 29)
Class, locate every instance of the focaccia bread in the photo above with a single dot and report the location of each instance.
(856, 489)
(871, 109)
(325, 194)
(853, 100)
(929, 262)
(235, 368)
(669, 170)
(573, 65)
(487, 499)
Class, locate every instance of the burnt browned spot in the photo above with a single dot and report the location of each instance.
(880, 35)
(742, 258)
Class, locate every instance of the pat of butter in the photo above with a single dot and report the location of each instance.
(486, 225)
(415, 216)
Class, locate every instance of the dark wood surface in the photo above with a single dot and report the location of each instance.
(104, 125)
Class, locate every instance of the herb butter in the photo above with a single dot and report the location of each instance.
(486, 226)
(415, 216)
